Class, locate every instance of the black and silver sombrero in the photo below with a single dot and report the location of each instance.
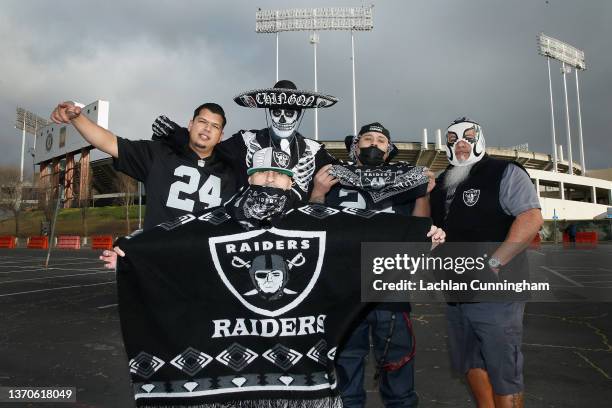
(284, 95)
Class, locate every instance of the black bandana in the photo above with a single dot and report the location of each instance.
(399, 181)
(259, 204)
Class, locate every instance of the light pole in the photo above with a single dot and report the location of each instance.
(314, 40)
(313, 20)
(564, 71)
(354, 92)
(570, 57)
(582, 162)
(552, 119)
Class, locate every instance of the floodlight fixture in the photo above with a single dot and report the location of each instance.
(317, 19)
(560, 51)
(569, 56)
(314, 19)
(27, 122)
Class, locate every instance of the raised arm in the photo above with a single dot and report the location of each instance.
(421, 204)
(97, 136)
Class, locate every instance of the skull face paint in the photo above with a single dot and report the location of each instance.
(284, 121)
(470, 133)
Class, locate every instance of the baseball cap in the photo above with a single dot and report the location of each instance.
(270, 158)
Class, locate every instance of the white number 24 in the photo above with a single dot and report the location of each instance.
(210, 192)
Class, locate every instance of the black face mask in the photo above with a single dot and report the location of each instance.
(371, 156)
(260, 204)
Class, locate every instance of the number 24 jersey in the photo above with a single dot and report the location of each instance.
(176, 181)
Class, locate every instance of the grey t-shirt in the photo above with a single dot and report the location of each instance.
(517, 193)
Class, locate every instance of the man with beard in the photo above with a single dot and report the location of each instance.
(210, 336)
(481, 199)
(285, 106)
(391, 329)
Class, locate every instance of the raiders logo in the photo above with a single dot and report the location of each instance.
(263, 205)
(282, 159)
(269, 271)
(376, 179)
(470, 197)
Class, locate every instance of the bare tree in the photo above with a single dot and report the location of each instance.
(47, 192)
(11, 193)
(126, 185)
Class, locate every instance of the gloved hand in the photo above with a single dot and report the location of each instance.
(169, 132)
(163, 127)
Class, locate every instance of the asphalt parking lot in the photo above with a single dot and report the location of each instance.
(59, 327)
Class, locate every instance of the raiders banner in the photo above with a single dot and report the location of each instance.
(398, 182)
(213, 314)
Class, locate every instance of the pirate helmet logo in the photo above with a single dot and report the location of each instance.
(269, 271)
(470, 197)
(282, 159)
(270, 274)
(377, 179)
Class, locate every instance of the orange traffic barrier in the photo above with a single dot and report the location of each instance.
(38, 242)
(566, 240)
(586, 239)
(536, 243)
(8, 241)
(102, 242)
(68, 242)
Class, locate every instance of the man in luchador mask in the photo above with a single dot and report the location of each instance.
(479, 199)
(284, 105)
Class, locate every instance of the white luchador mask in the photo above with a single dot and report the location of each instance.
(284, 121)
(470, 132)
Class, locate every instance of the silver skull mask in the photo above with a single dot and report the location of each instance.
(284, 121)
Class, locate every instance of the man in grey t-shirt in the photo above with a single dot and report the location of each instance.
(482, 199)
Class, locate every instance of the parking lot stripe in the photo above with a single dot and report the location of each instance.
(63, 287)
(51, 269)
(597, 368)
(565, 278)
(55, 276)
(107, 306)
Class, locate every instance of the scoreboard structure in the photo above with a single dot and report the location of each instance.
(55, 140)
(55, 150)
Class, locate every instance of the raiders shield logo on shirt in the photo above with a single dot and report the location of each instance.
(470, 197)
(269, 271)
(376, 178)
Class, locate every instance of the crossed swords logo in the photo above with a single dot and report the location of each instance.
(297, 260)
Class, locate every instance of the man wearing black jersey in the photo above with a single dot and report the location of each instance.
(177, 180)
(285, 106)
(392, 334)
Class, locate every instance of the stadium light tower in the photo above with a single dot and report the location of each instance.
(570, 57)
(313, 20)
(27, 122)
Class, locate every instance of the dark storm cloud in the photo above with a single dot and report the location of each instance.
(425, 63)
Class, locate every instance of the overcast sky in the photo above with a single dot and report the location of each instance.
(425, 63)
